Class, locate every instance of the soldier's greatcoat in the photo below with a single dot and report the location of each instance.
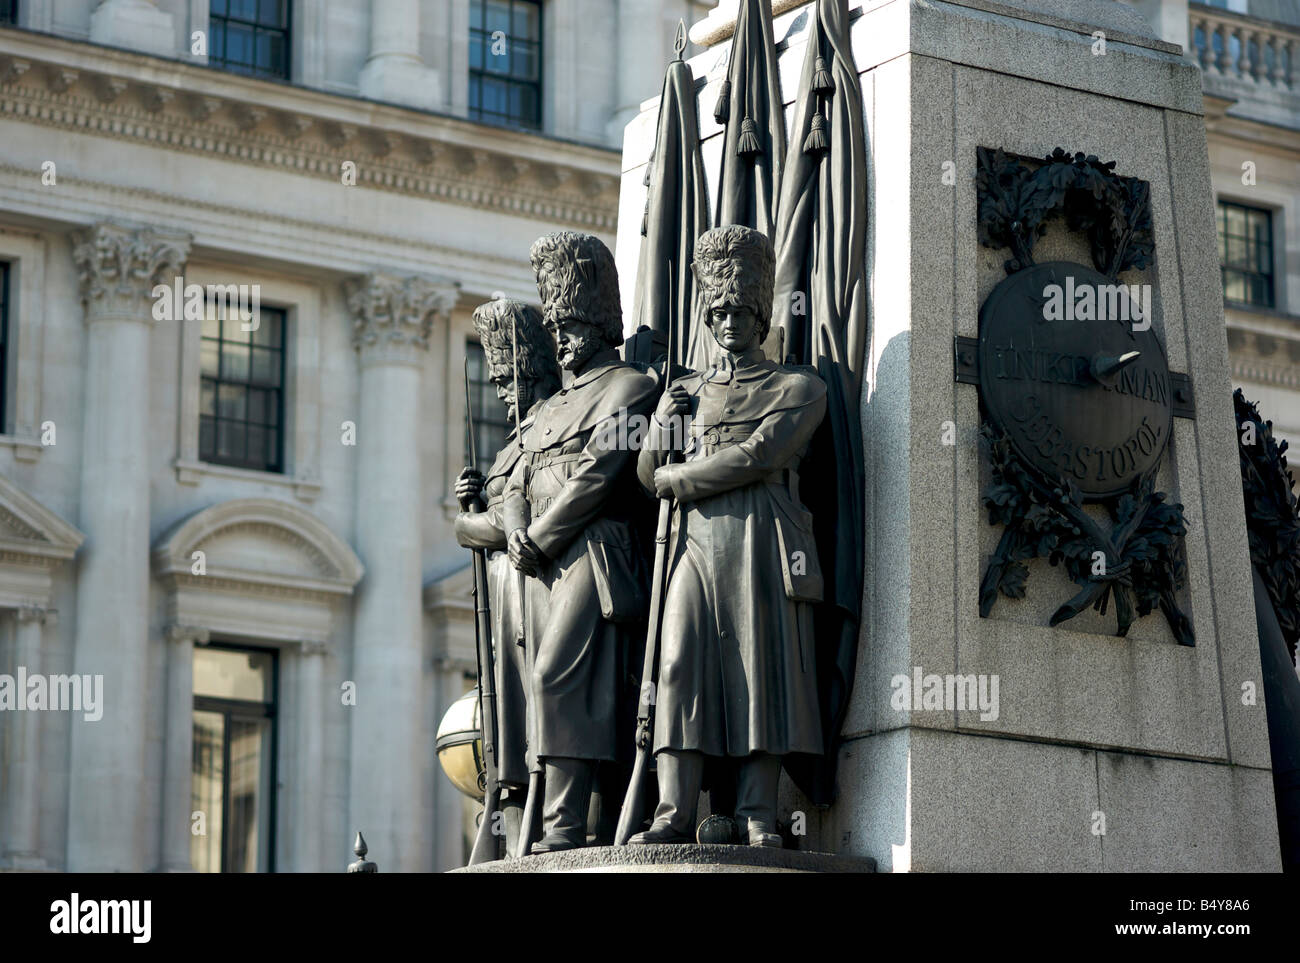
(737, 672)
(576, 490)
(485, 530)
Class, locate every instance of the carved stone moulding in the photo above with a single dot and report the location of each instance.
(118, 266)
(393, 316)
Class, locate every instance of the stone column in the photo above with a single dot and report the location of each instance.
(22, 828)
(394, 71)
(178, 748)
(118, 268)
(309, 843)
(390, 749)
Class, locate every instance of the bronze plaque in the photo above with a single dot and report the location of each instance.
(1076, 376)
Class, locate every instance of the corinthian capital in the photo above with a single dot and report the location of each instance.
(392, 316)
(118, 267)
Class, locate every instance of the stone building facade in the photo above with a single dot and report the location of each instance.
(247, 534)
(1249, 53)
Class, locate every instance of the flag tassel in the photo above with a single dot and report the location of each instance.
(722, 110)
(816, 141)
(822, 81)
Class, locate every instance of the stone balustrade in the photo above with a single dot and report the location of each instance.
(1234, 45)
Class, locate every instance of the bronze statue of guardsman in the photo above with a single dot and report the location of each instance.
(736, 674)
(572, 505)
(499, 323)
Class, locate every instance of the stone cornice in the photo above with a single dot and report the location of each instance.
(1264, 349)
(302, 240)
(1263, 372)
(118, 266)
(393, 316)
(82, 87)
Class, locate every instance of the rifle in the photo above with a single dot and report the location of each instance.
(533, 799)
(486, 840)
(634, 799)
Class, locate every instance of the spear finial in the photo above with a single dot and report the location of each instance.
(679, 42)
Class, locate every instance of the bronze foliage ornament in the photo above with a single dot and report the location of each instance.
(1073, 413)
(1272, 515)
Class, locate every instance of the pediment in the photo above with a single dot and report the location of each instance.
(452, 591)
(32, 533)
(258, 542)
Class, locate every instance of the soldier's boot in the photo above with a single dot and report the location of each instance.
(568, 794)
(756, 799)
(680, 774)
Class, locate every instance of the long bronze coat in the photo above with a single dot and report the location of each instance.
(485, 530)
(577, 491)
(737, 672)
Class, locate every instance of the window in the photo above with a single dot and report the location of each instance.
(490, 424)
(241, 392)
(505, 62)
(8, 11)
(250, 37)
(1246, 254)
(233, 775)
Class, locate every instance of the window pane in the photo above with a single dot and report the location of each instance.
(239, 44)
(1236, 221)
(256, 442)
(234, 362)
(244, 9)
(1260, 228)
(1234, 288)
(257, 406)
(523, 65)
(207, 777)
(267, 331)
(230, 440)
(525, 21)
(207, 438)
(266, 367)
(232, 402)
(232, 673)
(1236, 250)
(207, 397)
(494, 96)
(498, 16)
(270, 12)
(250, 787)
(210, 358)
(233, 328)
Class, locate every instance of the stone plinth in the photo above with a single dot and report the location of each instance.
(678, 859)
(1106, 753)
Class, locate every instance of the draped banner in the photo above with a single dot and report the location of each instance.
(820, 310)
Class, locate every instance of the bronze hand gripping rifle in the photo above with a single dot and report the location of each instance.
(633, 810)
